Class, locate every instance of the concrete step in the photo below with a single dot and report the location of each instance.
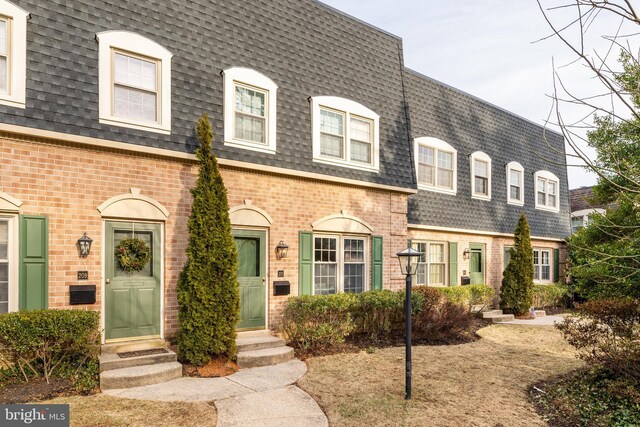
(259, 343)
(125, 346)
(501, 318)
(264, 357)
(137, 376)
(491, 313)
(256, 333)
(541, 313)
(111, 361)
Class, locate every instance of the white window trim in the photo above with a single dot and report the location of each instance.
(479, 155)
(349, 108)
(515, 166)
(438, 145)
(128, 42)
(16, 55)
(428, 263)
(340, 260)
(549, 177)
(13, 254)
(249, 77)
(551, 265)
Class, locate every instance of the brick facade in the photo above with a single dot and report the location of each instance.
(67, 183)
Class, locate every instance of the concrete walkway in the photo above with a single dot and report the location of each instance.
(538, 321)
(263, 396)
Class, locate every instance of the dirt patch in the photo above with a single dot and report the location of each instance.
(218, 367)
(128, 354)
(36, 390)
(101, 410)
(481, 383)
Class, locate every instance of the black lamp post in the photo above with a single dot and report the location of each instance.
(408, 259)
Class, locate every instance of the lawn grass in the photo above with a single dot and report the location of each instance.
(101, 411)
(483, 383)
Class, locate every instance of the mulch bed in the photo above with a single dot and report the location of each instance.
(219, 367)
(36, 390)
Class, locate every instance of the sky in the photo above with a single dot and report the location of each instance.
(486, 48)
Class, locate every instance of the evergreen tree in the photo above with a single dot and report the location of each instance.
(208, 293)
(516, 294)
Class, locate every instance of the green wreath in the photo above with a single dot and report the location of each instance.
(132, 255)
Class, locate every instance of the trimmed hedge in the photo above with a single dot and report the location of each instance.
(52, 343)
(313, 323)
(550, 296)
(469, 295)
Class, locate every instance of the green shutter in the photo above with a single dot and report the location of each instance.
(556, 265)
(305, 269)
(376, 262)
(453, 263)
(34, 263)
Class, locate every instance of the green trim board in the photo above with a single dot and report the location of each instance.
(34, 262)
(453, 264)
(305, 263)
(377, 261)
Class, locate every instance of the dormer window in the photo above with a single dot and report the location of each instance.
(480, 176)
(436, 165)
(515, 184)
(249, 110)
(13, 54)
(547, 191)
(345, 133)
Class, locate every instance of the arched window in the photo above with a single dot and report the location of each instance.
(515, 184)
(13, 54)
(480, 176)
(547, 191)
(436, 165)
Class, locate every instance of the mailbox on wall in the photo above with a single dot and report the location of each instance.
(82, 294)
(281, 288)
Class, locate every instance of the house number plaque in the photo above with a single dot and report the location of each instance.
(83, 275)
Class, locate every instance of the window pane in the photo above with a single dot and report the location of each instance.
(331, 122)
(331, 146)
(250, 101)
(546, 272)
(425, 174)
(481, 168)
(135, 72)
(353, 250)
(552, 201)
(361, 152)
(426, 155)
(3, 74)
(445, 160)
(445, 178)
(421, 274)
(542, 198)
(545, 257)
(3, 37)
(514, 192)
(325, 279)
(325, 249)
(4, 272)
(515, 177)
(4, 240)
(360, 129)
(354, 277)
(481, 185)
(542, 185)
(135, 104)
(250, 128)
(436, 253)
(436, 276)
(536, 272)
(552, 187)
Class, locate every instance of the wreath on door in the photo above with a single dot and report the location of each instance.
(132, 254)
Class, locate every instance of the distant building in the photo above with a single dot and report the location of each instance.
(582, 208)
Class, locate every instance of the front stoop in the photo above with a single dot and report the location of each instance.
(116, 372)
(497, 316)
(261, 349)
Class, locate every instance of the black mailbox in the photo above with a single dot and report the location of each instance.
(281, 288)
(465, 280)
(82, 294)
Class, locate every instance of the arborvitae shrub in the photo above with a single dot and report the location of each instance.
(516, 295)
(208, 292)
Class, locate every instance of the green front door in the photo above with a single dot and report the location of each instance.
(476, 263)
(252, 277)
(132, 300)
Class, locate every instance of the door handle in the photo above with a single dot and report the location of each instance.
(264, 279)
(108, 281)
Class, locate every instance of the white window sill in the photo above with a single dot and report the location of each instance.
(547, 209)
(437, 190)
(245, 145)
(481, 197)
(132, 124)
(351, 165)
(5, 100)
(515, 202)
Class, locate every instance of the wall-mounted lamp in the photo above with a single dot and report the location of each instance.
(84, 245)
(281, 250)
(465, 254)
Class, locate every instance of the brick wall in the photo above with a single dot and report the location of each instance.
(67, 183)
